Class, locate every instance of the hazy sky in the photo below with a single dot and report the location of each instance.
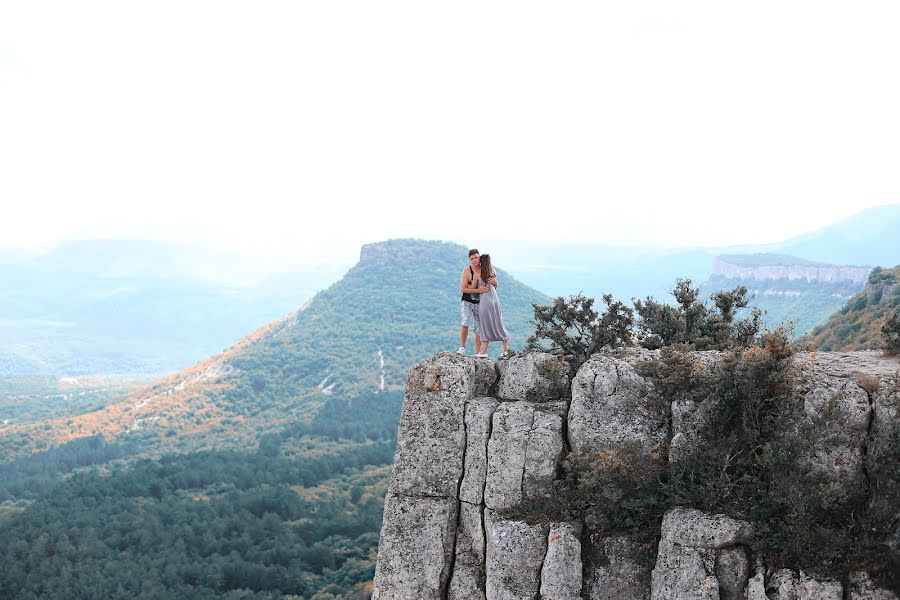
(285, 127)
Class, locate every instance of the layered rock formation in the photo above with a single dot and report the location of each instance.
(791, 272)
(476, 438)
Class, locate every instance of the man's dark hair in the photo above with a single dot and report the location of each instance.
(473, 251)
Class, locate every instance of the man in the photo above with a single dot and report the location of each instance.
(468, 306)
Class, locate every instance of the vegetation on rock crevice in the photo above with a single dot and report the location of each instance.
(749, 457)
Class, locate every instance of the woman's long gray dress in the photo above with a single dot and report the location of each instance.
(490, 317)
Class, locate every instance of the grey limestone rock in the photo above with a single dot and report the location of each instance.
(686, 423)
(686, 562)
(733, 572)
(479, 414)
(612, 408)
(819, 589)
(842, 408)
(561, 573)
(524, 452)
(863, 588)
(416, 548)
(468, 580)
(756, 588)
(617, 574)
(515, 556)
(783, 585)
(431, 436)
(535, 377)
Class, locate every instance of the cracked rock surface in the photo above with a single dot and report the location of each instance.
(478, 438)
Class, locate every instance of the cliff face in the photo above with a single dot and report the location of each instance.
(476, 438)
(881, 293)
(808, 273)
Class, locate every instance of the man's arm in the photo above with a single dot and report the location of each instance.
(464, 284)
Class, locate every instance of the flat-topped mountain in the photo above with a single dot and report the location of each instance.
(259, 472)
(788, 288)
(357, 338)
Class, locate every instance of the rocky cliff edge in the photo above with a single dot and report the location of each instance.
(477, 437)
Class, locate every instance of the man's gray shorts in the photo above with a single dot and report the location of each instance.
(469, 313)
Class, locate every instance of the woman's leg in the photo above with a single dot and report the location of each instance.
(484, 347)
(505, 346)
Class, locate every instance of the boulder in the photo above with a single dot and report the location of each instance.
(613, 408)
(819, 589)
(515, 556)
(617, 573)
(416, 548)
(756, 588)
(732, 572)
(561, 573)
(841, 408)
(688, 549)
(534, 377)
(524, 452)
(783, 585)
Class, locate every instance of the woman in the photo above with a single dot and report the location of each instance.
(491, 325)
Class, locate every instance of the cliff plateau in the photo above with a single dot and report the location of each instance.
(476, 438)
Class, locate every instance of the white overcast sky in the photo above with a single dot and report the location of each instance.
(276, 127)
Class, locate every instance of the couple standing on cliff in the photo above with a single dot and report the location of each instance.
(480, 306)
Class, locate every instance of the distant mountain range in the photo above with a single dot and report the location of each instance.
(103, 307)
(125, 307)
(868, 238)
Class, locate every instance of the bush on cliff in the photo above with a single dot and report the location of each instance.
(691, 321)
(571, 327)
(749, 460)
(891, 333)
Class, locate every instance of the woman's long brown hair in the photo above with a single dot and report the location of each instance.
(486, 269)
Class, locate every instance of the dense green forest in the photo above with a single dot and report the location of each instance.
(266, 478)
(298, 516)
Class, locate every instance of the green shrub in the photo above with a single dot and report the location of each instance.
(748, 460)
(692, 322)
(571, 327)
(891, 334)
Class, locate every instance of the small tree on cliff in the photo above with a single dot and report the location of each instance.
(692, 322)
(891, 333)
(573, 328)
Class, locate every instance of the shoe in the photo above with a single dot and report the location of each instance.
(504, 356)
(481, 355)
(461, 351)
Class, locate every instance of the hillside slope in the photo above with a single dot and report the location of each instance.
(788, 288)
(355, 339)
(857, 326)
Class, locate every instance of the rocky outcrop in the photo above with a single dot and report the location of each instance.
(613, 409)
(700, 557)
(808, 273)
(535, 377)
(476, 439)
(524, 452)
(617, 571)
(881, 293)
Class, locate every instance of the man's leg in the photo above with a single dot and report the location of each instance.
(463, 335)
